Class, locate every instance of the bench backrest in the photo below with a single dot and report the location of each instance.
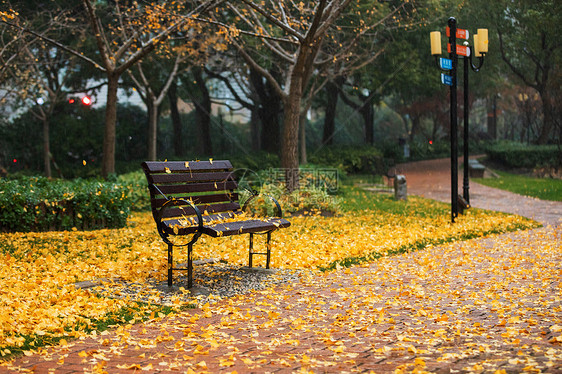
(210, 185)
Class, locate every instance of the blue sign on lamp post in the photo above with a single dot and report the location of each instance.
(445, 63)
(446, 79)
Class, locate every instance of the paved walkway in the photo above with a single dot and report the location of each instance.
(432, 179)
(489, 305)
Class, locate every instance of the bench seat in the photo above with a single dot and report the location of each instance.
(174, 227)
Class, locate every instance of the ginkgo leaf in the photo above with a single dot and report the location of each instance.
(129, 366)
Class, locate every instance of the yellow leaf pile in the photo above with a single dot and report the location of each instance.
(38, 271)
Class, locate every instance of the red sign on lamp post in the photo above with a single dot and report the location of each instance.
(461, 50)
(461, 33)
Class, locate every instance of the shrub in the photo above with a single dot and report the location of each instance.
(517, 155)
(137, 190)
(254, 161)
(306, 200)
(425, 151)
(352, 160)
(40, 204)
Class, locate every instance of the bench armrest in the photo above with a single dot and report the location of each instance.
(175, 202)
(256, 194)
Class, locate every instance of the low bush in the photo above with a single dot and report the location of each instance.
(306, 200)
(427, 151)
(40, 204)
(254, 161)
(352, 160)
(137, 190)
(517, 155)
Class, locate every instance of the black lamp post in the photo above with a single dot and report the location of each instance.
(477, 52)
(480, 49)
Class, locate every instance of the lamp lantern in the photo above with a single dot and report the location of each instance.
(435, 42)
(477, 46)
(482, 41)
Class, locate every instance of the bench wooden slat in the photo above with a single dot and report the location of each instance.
(209, 208)
(200, 199)
(181, 221)
(187, 177)
(172, 166)
(210, 187)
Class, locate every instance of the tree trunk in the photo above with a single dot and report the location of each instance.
(271, 129)
(368, 115)
(176, 119)
(255, 130)
(415, 127)
(289, 152)
(366, 111)
(492, 120)
(548, 118)
(268, 107)
(332, 94)
(302, 138)
(152, 110)
(203, 114)
(108, 162)
(46, 147)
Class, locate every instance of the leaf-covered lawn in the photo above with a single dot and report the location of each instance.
(38, 297)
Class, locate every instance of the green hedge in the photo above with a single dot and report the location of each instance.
(352, 160)
(40, 204)
(517, 155)
(137, 190)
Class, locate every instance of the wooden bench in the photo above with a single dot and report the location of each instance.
(200, 198)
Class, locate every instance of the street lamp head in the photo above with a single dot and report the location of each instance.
(483, 41)
(435, 37)
(476, 46)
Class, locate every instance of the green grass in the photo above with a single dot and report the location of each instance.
(541, 188)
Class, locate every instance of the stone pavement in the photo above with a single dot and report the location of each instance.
(432, 179)
(488, 305)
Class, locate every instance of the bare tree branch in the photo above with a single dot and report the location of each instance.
(55, 43)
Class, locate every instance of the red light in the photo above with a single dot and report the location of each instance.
(431, 142)
(14, 160)
(71, 101)
(86, 100)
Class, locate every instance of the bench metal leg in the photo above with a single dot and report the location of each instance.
(251, 248)
(170, 263)
(267, 253)
(268, 244)
(189, 266)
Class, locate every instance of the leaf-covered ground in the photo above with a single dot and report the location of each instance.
(38, 298)
(489, 305)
